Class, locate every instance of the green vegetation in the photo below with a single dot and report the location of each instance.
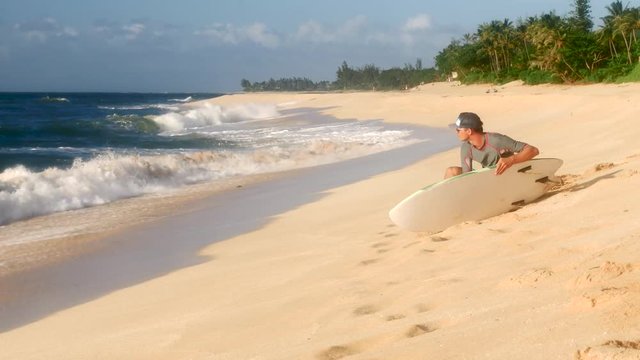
(286, 84)
(633, 76)
(546, 48)
(368, 77)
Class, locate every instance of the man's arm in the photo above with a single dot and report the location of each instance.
(527, 153)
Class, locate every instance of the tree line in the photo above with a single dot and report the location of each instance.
(286, 84)
(545, 48)
(548, 48)
(368, 77)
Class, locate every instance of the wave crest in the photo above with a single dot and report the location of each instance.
(209, 114)
(108, 177)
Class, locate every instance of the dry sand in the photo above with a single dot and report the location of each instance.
(332, 279)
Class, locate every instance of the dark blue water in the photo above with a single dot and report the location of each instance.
(67, 151)
(40, 130)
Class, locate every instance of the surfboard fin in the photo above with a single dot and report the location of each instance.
(543, 180)
(518, 203)
(525, 169)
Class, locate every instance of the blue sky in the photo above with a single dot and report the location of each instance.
(209, 46)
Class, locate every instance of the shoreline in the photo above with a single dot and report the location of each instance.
(105, 255)
(88, 226)
(332, 278)
(41, 235)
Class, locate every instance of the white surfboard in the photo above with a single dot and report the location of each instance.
(475, 195)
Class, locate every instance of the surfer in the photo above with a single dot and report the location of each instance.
(487, 148)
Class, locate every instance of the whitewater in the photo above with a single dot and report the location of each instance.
(103, 148)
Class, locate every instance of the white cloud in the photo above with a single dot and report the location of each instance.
(313, 31)
(43, 29)
(69, 31)
(412, 27)
(355, 30)
(257, 33)
(359, 30)
(220, 32)
(354, 25)
(418, 23)
(133, 31)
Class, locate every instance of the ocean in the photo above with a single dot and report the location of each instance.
(66, 151)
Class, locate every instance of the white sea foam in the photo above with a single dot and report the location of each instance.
(208, 115)
(108, 177)
(171, 107)
(54, 99)
(187, 99)
(261, 141)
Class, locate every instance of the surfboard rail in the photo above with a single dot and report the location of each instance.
(475, 195)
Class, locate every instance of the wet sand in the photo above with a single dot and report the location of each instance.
(71, 270)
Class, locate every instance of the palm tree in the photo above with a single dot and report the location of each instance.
(635, 22)
(497, 40)
(506, 34)
(625, 26)
(545, 36)
(607, 33)
(487, 35)
(521, 32)
(624, 22)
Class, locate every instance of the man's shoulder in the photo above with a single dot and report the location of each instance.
(495, 135)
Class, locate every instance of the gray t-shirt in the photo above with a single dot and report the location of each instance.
(489, 154)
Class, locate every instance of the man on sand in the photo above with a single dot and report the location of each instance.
(488, 149)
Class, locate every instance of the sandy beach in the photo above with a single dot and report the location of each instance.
(330, 277)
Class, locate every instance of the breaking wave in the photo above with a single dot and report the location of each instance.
(25, 193)
(208, 115)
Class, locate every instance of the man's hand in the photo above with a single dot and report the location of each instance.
(504, 163)
(507, 160)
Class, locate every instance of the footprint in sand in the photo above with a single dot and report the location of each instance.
(599, 274)
(532, 277)
(337, 352)
(411, 244)
(380, 244)
(609, 295)
(370, 344)
(500, 231)
(612, 349)
(365, 310)
(422, 308)
(439, 238)
(419, 329)
(369, 262)
(381, 247)
(394, 317)
(622, 344)
(599, 167)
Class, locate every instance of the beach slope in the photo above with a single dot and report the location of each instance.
(334, 278)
